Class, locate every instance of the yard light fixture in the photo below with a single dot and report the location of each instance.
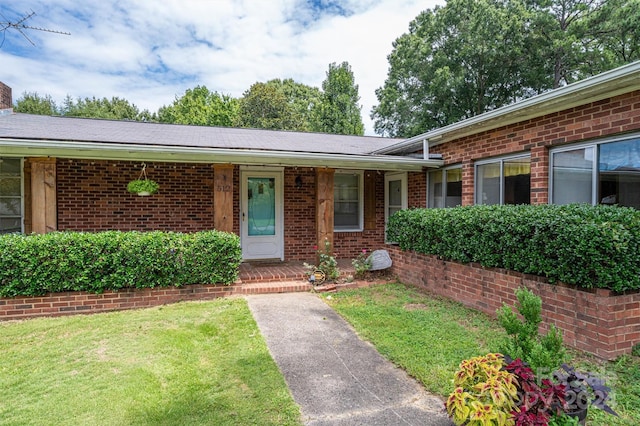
(298, 182)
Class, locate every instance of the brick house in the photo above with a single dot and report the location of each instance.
(284, 192)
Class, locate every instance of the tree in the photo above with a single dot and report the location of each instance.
(32, 103)
(114, 109)
(199, 106)
(456, 61)
(339, 111)
(617, 31)
(277, 105)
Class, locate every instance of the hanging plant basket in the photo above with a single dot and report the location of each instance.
(143, 186)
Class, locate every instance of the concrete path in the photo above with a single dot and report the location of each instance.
(336, 378)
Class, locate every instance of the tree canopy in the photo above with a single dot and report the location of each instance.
(32, 103)
(199, 106)
(278, 105)
(339, 111)
(472, 56)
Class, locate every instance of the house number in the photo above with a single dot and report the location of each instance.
(223, 188)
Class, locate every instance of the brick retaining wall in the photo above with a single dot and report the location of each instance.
(598, 321)
(69, 303)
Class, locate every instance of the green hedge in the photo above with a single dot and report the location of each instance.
(95, 262)
(575, 244)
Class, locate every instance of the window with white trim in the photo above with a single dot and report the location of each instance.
(599, 172)
(445, 187)
(395, 195)
(348, 211)
(505, 180)
(10, 195)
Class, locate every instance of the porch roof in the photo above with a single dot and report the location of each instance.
(37, 135)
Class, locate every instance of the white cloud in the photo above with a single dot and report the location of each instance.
(148, 51)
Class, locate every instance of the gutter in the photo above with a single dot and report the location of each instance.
(138, 152)
(608, 84)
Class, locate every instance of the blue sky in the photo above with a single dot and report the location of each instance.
(149, 52)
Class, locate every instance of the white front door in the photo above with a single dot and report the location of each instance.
(261, 214)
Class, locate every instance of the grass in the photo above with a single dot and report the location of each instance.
(188, 364)
(428, 337)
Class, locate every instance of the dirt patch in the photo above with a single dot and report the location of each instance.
(416, 307)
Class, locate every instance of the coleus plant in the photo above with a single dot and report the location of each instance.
(485, 393)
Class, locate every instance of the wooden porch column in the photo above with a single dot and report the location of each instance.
(223, 197)
(44, 214)
(324, 206)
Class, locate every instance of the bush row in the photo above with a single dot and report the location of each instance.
(577, 244)
(76, 261)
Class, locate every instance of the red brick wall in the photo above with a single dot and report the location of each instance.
(417, 189)
(608, 117)
(350, 244)
(59, 304)
(92, 196)
(299, 214)
(597, 322)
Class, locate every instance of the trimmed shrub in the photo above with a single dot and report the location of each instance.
(576, 244)
(76, 261)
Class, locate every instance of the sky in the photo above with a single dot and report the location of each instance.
(149, 51)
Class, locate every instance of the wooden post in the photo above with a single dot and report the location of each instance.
(324, 206)
(223, 197)
(44, 214)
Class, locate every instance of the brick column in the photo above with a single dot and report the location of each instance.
(539, 175)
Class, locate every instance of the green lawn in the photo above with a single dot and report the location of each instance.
(184, 364)
(429, 336)
(206, 363)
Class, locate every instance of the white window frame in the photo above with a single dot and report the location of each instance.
(404, 196)
(596, 161)
(21, 189)
(443, 171)
(360, 174)
(501, 160)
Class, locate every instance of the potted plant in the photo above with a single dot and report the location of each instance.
(143, 187)
(581, 390)
(485, 393)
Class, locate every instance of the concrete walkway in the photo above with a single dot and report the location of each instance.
(336, 378)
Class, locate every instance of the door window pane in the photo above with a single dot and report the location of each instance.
(10, 195)
(572, 176)
(346, 200)
(261, 203)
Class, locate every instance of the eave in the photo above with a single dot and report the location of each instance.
(183, 154)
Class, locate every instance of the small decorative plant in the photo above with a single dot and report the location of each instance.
(485, 393)
(361, 264)
(583, 389)
(544, 353)
(143, 187)
(327, 263)
(537, 402)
